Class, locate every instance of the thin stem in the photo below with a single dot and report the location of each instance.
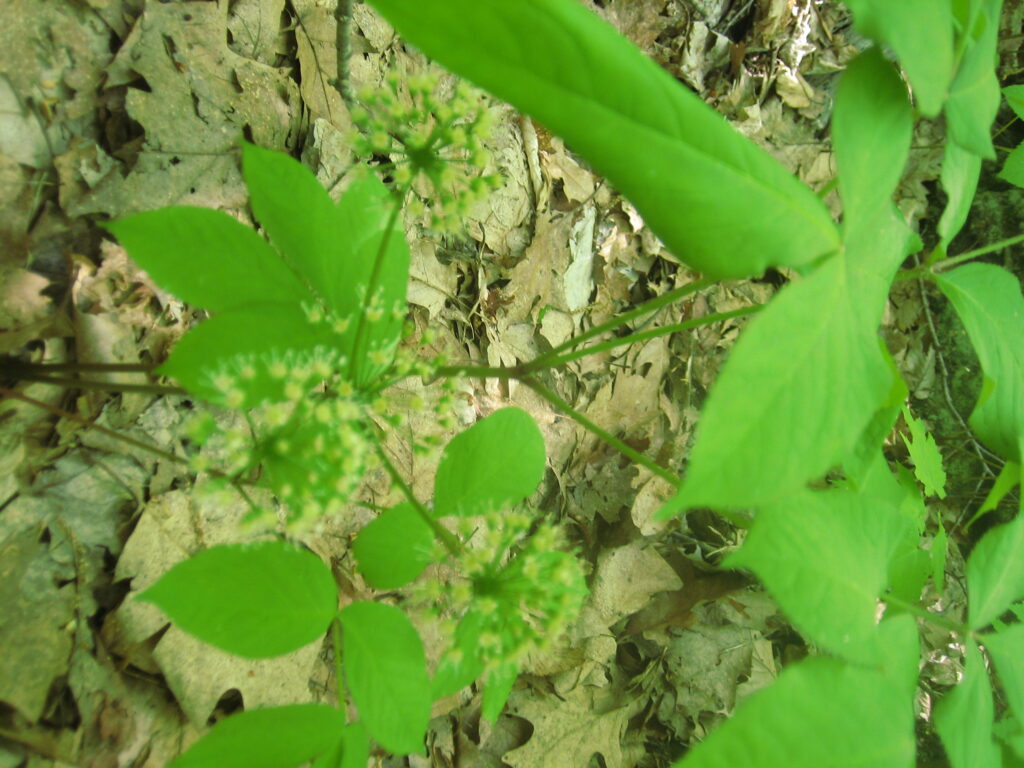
(371, 286)
(617, 322)
(952, 261)
(479, 371)
(651, 333)
(101, 386)
(446, 537)
(5, 392)
(604, 435)
(921, 613)
(338, 672)
(16, 367)
(343, 49)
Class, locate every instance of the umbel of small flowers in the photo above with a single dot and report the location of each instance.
(437, 143)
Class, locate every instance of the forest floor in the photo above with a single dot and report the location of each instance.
(111, 107)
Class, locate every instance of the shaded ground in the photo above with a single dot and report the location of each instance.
(109, 107)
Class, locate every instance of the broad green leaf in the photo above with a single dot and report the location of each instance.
(818, 713)
(497, 462)
(995, 573)
(277, 737)
(964, 717)
(871, 129)
(394, 549)
(253, 600)
(807, 374)
(684, 168)
(351, 751)
(243, 345)
(924, 452)
(960, 172)
(1015, 98)
(921, 34)
(335, 246)
(386, 673)
(497, 689)
(1013, 168)
(207, 258)
(463, 663)
(989, 302)
(1007, 479)
(1006, 647)
(974, 95)
(824, 556)
(865, 452)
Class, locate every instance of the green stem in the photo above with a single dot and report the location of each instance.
(921, 613)
(942, 266)
(446, 537)
(101, 386)
(338, 672)
(343, 49)
(652, 333)
(617, 322)
(604, 435)
(479, 371)
(371, 288)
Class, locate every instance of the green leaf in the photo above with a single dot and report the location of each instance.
(497, 689)
(989, 302)
(924, 452)
(974, 95)
(253, 600)
(824, 556)
(497, 462)
(818, 713)
(1013, 168)
(463, 663)
(964, 717)
(1007, 479)
(995, 573)
(386, 673)
(351, 751)
(207, 258)
(807, 374)
(334, 246)
(921, 34)
(1006, 647)
(394, 549)
(1015, 98)
(278, 737)
(248, 339)
(684, 168)
(938, 553)
(960, 172)
(871, 129)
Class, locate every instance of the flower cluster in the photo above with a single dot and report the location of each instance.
(519, 591)
(430, 136)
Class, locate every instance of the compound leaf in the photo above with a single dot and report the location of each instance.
(207, 258)
(921, 34)
(386, 673)
(818, 712)
(335, 246)
(277, 737)
(253, 600)
(924, 452)
(995, 573)
(686, 170)
(807, 373)
(964, 717)
(989, 302)
(1006, 647)
(496, 462)
(393, 549)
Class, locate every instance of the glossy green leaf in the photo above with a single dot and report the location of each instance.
(1013, 168)
(871, 128)
(921, 34)
(824, 556)
(974, 94)
(960, 172)
(335, 246)
(386, 673)
(497, 462)
(253, 600)
(207, 258)
(247, 339)
(807, 374)
(964, 717)
(818, 713)
(393, 549)
(686, 170)
(277, 737)
(1006, 647)
(989, 302)
(924, 452)
(995, 573)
